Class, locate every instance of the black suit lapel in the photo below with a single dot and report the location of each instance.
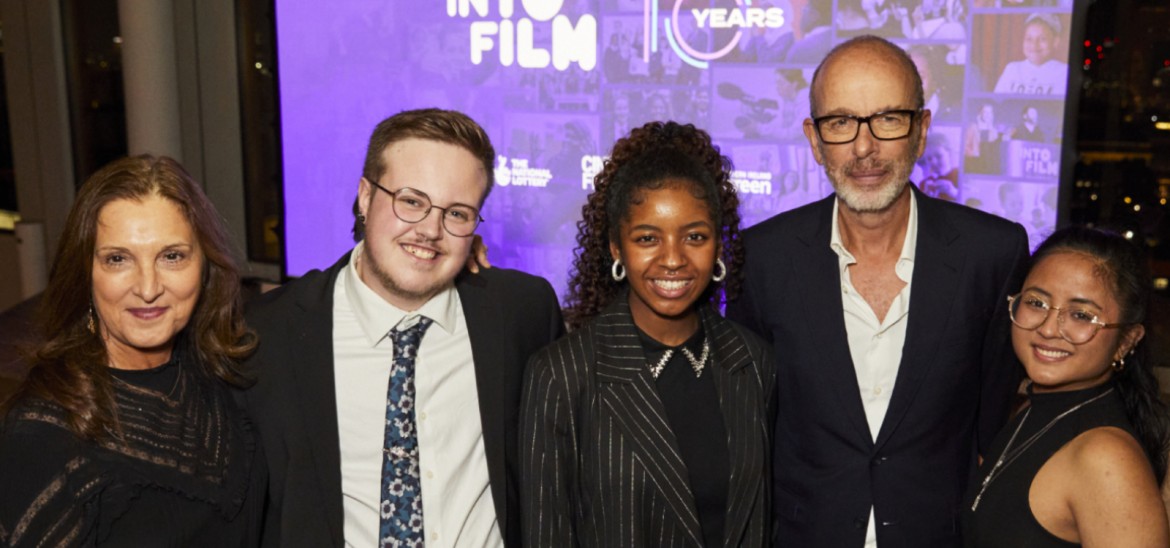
(822, 308)
(486, 352)
(628, 394)
(740, 403)
(316, 395)
(938, 261)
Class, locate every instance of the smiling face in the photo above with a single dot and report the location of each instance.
(1031, 116)
(868, 174)
(668, 245)
(657, 108)
(1038, 42)
(147, 272)
(408, 263)
(1073, 280)
(922, 62)
(785, 88)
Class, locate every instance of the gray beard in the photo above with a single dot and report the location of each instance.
(862, 202)
(881, 200)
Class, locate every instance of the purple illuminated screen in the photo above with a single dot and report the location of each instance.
(555, 82)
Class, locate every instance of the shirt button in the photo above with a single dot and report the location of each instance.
(430, 474)
(422, 416)
(434, 536)
(877, 391)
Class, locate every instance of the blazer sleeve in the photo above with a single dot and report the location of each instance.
(1000, 370)
(743, 310)
(548, 455)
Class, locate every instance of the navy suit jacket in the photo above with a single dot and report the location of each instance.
(509, 316)
(951, 396)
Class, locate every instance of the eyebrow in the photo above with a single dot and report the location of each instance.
(696, 224)
(1075, 300)
(175, 245)
(432, 200)
(851, 112)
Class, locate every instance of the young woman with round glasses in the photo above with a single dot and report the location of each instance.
(1080, 464)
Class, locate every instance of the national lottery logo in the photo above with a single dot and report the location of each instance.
(702, 17)
(517, 172)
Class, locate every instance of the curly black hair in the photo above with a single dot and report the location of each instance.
(646, 159)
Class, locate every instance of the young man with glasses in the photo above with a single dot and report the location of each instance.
(389, 384)
(885, 310)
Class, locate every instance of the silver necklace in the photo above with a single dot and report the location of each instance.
(696, 364)
(1006, 460)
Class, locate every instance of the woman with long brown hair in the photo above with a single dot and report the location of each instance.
(125, 431)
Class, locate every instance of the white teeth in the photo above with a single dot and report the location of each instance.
(419, 252)
(1051, 353)
(671, 285)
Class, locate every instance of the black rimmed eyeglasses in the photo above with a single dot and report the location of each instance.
(838, 129)
(412, 206)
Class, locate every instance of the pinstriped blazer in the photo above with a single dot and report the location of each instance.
(600, 465)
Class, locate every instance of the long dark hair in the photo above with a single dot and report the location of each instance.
(70, 368)
(1123, 265)
(646, 159)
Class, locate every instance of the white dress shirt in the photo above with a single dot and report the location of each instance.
(458, 510)
(876, 345)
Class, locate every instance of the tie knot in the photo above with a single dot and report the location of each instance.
(411, 336)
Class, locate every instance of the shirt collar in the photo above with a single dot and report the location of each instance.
(377, 317)
(905, 265)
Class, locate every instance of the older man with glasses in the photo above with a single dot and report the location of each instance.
(884, 307)
(389, 384)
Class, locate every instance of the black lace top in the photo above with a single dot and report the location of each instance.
(187, 470)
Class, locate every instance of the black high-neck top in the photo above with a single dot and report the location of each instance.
(692, 408)
(1004, 516)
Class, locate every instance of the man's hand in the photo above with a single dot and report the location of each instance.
(478, 256)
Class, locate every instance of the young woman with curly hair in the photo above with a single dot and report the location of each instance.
(648, 424)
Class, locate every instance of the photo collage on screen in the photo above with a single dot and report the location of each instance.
(556, 83)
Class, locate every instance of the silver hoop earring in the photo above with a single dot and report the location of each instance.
(618, 271)
(722, 271)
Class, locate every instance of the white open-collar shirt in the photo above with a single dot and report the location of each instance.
(876, 345)
(458, 510)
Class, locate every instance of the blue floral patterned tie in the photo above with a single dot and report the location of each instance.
(402, 510)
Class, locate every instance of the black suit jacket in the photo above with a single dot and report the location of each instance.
(509, 316)
(601, 466)
(952, 392)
